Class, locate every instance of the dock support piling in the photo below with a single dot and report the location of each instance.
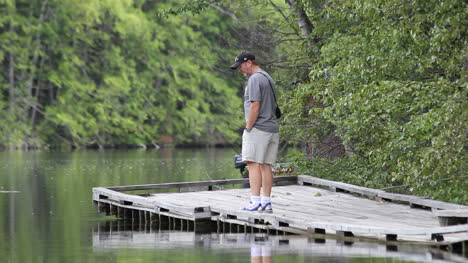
(344, 233)
(203, 226)
(316, 230)
(437, 237)
(464, 250)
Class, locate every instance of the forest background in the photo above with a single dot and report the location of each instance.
(375, 91)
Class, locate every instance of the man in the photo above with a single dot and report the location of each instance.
(260, 139)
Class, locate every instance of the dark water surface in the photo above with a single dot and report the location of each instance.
(47, 214)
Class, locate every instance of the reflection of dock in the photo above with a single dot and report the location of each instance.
(303, 205)
(279, 245)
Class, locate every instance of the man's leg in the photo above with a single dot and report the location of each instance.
(255, 178)
(267, 183)
(267, 174)
(266, 179)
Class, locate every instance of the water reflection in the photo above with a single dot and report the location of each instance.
(47, 213)
(260, 253)
(262, 247)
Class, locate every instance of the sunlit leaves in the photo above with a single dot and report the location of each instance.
(114, 73)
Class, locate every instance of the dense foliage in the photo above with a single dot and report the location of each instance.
(390, 79)
(386, 80)
(113, 72)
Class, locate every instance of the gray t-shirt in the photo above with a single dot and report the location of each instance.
(258, 89)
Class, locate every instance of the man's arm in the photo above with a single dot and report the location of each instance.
(253, 114)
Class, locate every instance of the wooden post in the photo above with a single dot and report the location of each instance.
(437, 237)
(344, 233)
(112, 209)
(465, 249)
(140, 219)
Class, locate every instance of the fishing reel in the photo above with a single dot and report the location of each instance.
(239, 164)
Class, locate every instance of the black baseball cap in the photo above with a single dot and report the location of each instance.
(241, 58)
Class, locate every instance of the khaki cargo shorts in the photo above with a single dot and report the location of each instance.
(259, 146)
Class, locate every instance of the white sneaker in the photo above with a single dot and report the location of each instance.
(266, 208)
(252, 207)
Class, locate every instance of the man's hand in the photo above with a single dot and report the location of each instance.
(253, 115)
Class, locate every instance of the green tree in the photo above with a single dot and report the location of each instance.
(392, 79)
(105, 73)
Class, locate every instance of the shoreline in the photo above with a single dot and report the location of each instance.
(119, 147)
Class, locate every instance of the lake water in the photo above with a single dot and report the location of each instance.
(47, 214)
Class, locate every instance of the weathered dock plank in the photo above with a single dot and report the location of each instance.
(291, 179)
(302, 208)
(452, 217)
(412, 200)
(134, 201)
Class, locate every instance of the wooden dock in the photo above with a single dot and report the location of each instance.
(302, 205)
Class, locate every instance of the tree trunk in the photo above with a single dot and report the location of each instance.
(34, 62)
(36, 101)
(328, 145)
(11, 74)
(12, 82)
(50, 89)
(297, 8)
